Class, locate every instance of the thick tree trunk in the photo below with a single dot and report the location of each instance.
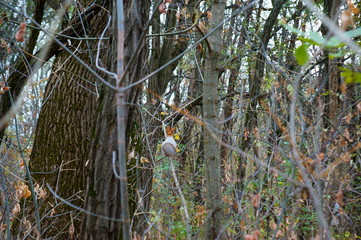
(102, 196)
(63, 136)
(212, 158)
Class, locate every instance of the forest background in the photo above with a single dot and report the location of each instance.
(264, 94)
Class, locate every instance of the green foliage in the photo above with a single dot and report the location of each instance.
(307, 221)
(350, 76)
(314, 38)
(301, 54)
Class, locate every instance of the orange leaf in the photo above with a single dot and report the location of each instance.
(22, 164)
(20, 34)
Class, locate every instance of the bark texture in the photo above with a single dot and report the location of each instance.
(212, 158)
(102, 197)
(63, 135)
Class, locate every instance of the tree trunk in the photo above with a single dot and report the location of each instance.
(63, 137)
(331, 80)
(102, 196)
(212, 157)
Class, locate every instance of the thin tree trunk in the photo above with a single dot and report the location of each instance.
(161, 54)
(212, 156)
(256, 77)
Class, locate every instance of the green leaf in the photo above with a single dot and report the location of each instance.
(293, 30)
(307, 40)
(317, 38)
(337, 54)
(354, 33)
(334, 42)
(350, 76)
(301, 54)
(326, 93)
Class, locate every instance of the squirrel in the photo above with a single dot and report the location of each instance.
(169, 146)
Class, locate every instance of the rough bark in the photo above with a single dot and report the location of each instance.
(24, 67)
(102, 196)
(212, 157)
(63, 136)
(331, 76)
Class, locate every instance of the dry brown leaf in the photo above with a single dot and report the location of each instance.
(178, 15)
(273, 225)
(256, 133)
(242, 225)
(320, 156)
(27, 225)
(356, 11)
(348, 118)
(16, 210)
(358, 107)
(53, 212)
(22, 190)
(6, 88)
(343, 88)
(71, 231)
(346, 19)
(339, 198)
(347, 135)
(153, 101)
(22, 163)
(256, 200)
(20, 34)
(162, 8)
(209, 15)
(42, 194)
(245, 134)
